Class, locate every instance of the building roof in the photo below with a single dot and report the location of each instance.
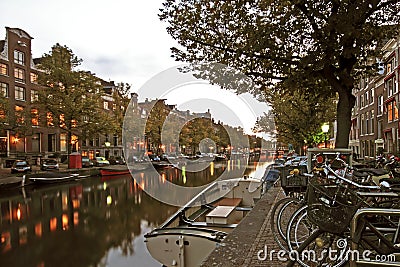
(19, 32)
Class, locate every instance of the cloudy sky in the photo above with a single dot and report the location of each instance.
(119, 40)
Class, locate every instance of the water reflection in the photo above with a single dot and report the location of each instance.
(91, 222)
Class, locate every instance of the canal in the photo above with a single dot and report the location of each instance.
(92, 221)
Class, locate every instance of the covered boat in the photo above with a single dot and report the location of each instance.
(190, 235)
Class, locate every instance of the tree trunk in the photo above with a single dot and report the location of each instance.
(344, 107)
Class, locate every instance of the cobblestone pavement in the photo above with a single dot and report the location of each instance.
(242, 247)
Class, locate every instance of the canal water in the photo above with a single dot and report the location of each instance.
(91, 221)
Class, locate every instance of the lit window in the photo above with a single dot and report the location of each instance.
(4, 89)
(19, 57)
(390, 111)
(3, 115)
(34, 78)
(63, 142)
(35, 117)
(3, 69)
(62, 120)
(19, 115)
(50, 119)
(19, 93)
(19, 75)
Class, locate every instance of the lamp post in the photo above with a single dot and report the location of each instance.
(325, 130)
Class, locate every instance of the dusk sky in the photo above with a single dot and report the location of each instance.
(121, 41)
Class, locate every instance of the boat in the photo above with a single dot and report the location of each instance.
(197, 228)
(54, 177)
(114, 170)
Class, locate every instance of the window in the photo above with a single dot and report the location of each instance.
(19, 114)
(380, 129)
(372, 122)
(3, 115)
(35, 117)
(19, 57)
(361, 101)
(105, 105)
(390, 66)
(367, 123)
(50, 119)
(63, 142)
(34, 78)
(380, 105)
(371, 96)
(19, 93)
(4, 89)
(19, 75)
(392, 110)
(3, 69)
(62, 120)
(362, 124)
(34, 95)
(390, 86)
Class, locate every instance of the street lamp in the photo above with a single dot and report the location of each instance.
(325, 130)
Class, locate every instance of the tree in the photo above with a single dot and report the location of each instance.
(298, 116)
(154, 124)
(70, 97)
(286, 41)
(196, 131)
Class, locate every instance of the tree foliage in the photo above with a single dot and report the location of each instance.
(71, 98)
(325, 42)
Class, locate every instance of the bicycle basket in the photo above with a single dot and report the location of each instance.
(331, 207)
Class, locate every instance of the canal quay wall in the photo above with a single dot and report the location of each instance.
(246, 245)
(8, 180)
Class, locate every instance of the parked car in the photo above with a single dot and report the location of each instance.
(116, 160)
(86, 162)
(20, 166)
(101, 161)
(154, 158)
(49, 164)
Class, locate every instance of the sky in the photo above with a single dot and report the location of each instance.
(119, 40)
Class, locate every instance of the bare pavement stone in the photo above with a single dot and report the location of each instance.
(245, 245)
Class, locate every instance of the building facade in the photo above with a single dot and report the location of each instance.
(375, 119)
(26, 131)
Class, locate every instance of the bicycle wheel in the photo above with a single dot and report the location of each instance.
(299, 228)
(311, 246)
(282, 210)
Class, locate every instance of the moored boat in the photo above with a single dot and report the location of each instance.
(114, 170)
(54, 177)
(190, 235)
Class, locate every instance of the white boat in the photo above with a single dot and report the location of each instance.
(195, 230)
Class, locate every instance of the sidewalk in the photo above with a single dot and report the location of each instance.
(245, 246)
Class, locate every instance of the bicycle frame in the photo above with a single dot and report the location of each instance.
(353, 229)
